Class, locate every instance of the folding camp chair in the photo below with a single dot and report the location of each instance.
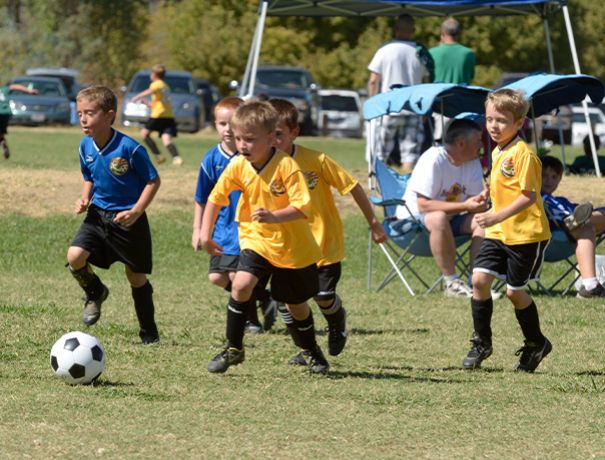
(408, 238)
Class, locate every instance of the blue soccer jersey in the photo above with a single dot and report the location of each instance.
(225, 230)
(557, 207)
(119, 171)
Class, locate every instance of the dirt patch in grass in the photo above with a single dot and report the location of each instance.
(39, 193)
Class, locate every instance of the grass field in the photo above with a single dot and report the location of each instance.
(396, 391)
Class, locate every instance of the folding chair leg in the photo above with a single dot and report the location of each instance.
(396, 268)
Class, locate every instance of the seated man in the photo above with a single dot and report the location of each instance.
(585, 164)
(580, 220)
(444, 192)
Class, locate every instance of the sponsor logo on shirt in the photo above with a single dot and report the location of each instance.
(312, 179)
(277, 187)
(507, 167)
(118, 166)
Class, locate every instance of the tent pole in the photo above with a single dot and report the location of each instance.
(370, 157)
(255, 49)
(576, 64)
(533, 119)
(551, 62)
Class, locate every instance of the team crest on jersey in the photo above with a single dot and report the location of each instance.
(312, 179)
(118, 166)
(454, 193)
(507, 168)
(277, 187)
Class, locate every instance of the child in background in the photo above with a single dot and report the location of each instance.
(322, 173)
(580, 220)
(275, 237)
(119, 184)
(222, 268)
(516, 234)
(161, 118)
(6, 112)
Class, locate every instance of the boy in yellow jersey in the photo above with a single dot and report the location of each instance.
(322, 173)
(161, 118)
(516, 234)
(274, 234)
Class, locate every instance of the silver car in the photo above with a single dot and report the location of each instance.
(186, 101)
(49, 106)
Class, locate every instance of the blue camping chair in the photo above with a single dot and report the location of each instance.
(408, 239)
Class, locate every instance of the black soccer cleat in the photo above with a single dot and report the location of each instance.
(531, 355)
(92, 307)
(228, 357)
(300, 359)
(150, 335)
(581, 214)
(337, 335)
(479, 351)
(317, 361)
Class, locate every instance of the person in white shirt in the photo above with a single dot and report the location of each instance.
(444, 193)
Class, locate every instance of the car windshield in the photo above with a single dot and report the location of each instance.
(178, 85)
(44, 87)
(282, 79)
(580, 118)
(340, 103)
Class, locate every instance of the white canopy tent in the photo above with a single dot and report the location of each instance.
(372, 8)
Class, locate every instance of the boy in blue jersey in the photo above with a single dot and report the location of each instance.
(223, 267)
(119, 183)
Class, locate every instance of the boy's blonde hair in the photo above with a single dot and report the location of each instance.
(229, 102)
(103, 96)
(255, 114)
(159, 70)
(286, 112)
(509, 100)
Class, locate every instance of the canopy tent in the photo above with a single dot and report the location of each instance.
(372, 8)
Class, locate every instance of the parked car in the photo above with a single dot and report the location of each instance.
(210, 97)
(184, 96)
(50, 106)
(340, 113)
(579, 128)
(555, 122)
(69, 77)
(295, 84)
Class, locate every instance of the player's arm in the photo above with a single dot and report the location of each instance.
(130, 216)
(84, 200)
(473, 204)
(523, 201)
(276, 217)
(209, 217)
(142, 94)
(22, 88)
(373, 82)
(198, 213)
(360, 197)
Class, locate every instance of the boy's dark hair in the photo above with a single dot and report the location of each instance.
(456, 128)
(102, 95)
(286, 112)
(586, 144)
(159, 70)
(509, 100)
(553, 163)
(229, 102)
(255, 114)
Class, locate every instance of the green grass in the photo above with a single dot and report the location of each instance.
(396, 391)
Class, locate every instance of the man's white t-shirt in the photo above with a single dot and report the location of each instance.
(397, 62)
(437, 179)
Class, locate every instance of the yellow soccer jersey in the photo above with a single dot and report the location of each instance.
(514, 169)
(278, 185)
(322, 173)
(160, 100)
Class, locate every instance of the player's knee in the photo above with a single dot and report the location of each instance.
(76, 257)
(219, 279)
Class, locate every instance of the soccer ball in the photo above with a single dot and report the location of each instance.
(77, 358)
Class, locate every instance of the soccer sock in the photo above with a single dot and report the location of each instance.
(172, 149)
(143, 305)
(590, 283)
(152, 145)
(261, 294)
(236, 322)
(450, 278)
(88, 281)
(289, 322)
(530, 323)
(482, 318)
(334, 313)
(306, 332)
(228, 287)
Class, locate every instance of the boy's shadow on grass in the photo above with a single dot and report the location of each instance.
(412, 378)
(111, 384)
(359, 331)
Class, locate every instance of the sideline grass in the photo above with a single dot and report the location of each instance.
(396, 392)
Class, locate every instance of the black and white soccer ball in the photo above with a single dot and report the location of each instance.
(77, 357)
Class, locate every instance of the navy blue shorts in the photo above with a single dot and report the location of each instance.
(288, 285)
(109, 242)
(517, 264)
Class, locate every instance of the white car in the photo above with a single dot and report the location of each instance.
(579, 128)
(340, 113)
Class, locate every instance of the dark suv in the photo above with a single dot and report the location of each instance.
(295, 84)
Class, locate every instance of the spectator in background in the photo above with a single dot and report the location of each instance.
(400, 61)
(6, 112)
(585, 164)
